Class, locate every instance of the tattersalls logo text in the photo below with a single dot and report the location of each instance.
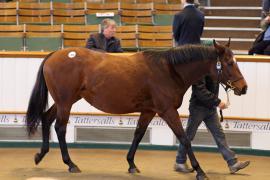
(257, 126)
(93, 120)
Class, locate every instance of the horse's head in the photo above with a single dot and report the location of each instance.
(227, 71)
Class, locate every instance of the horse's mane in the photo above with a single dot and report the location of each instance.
(183, 54)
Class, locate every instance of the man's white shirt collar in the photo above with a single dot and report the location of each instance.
(188, 4)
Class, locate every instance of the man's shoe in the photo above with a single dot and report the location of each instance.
(183, 168)
(237, 166)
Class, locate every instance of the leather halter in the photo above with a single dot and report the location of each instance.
(228, 85)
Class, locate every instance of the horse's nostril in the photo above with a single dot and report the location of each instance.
(244, 90)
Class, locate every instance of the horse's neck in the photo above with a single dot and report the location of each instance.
(192, 72)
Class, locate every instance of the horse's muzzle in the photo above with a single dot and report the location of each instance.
(239, 92)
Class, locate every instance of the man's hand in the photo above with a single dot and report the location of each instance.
(267, 19)
(222, 105)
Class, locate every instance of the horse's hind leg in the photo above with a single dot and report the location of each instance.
(143, 122)
(172, 118)
(60, 128)
(47, 120)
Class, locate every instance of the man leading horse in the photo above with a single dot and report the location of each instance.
(187, 28)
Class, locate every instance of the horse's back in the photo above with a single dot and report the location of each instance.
(76, 54)
(79, 55)
(73, 59)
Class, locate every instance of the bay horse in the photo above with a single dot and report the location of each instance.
(149, 82)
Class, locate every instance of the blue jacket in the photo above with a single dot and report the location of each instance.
(188, 26)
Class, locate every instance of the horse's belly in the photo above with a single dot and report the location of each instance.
(112, 105)
(117, 101)
(116, 90)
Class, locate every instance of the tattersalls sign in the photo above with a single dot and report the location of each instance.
(107, 120)
(111, 120)
(251, 126)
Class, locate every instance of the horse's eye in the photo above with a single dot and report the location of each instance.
(230, 63)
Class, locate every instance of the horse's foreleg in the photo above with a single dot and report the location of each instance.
(60, 128)
(172, 118)
(47, 121)
(143, 122)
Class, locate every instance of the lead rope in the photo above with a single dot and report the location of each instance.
(227, 104)
(226, 88)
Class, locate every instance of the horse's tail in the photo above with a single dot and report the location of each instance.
(38, 101)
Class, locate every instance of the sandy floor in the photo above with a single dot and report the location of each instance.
(18, 164)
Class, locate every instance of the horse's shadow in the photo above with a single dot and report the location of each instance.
(59, 174)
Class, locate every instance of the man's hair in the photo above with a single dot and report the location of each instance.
(106, 23)
(190, 1)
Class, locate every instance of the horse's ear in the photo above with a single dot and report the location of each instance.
(228, 43)
(220, 49)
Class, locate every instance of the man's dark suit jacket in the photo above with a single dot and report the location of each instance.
(100, 43)
(188, 26)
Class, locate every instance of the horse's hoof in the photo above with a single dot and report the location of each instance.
(202, 177)
(74, 169)
(37, 159)
(133, 170)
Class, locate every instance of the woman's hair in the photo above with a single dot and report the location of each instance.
(106, 23)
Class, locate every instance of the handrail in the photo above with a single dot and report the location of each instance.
(37, 54)
(137, 114)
